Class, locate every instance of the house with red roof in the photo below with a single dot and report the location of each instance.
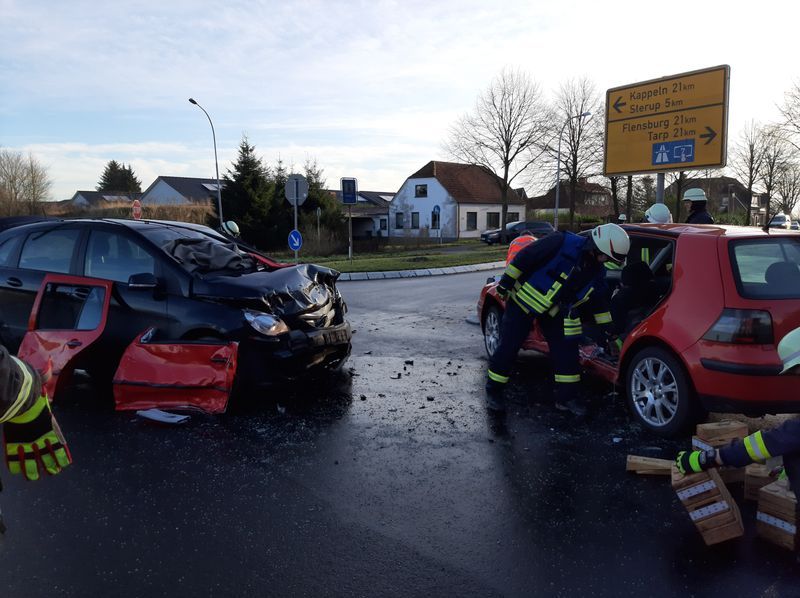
(454, 201)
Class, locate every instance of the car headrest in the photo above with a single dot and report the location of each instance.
(636, 274)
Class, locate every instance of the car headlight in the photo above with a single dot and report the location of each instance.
(264, 323)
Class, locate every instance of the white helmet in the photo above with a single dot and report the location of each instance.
(623, 218)
(695, 195)
(612, 240)
(230, 228)
(658, 213)
(789, 350)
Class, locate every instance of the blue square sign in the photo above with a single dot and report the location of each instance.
(673, 152)
(349, 191)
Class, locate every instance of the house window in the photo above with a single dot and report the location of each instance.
(398, 219)
(472, 220)
(511, 217)
(414, 219)
(383, 224)
(492, 219)
(420, 190)
(435, 220)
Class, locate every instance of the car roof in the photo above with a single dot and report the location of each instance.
(715, 230)
(133, 224)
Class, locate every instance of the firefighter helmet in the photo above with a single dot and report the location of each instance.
(789, 350)
(695, 195)
(658, 213)
(611, 240)
(230, 228)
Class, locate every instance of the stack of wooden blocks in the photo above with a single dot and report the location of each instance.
(716, 435)
(756, 476)
(777, 514)
(710, 505)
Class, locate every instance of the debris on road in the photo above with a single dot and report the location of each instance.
(409, 362)
(162, 417)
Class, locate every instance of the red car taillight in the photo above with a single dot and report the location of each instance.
(742, 327)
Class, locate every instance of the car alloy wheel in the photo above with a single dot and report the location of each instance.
(659, 391)
(491, 329)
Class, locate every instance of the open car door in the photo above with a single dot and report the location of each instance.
(175, 374)
(68, 315)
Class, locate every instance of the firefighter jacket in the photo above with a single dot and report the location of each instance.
(700, 216)
(556, 275)
(20, 386)
(761, 445)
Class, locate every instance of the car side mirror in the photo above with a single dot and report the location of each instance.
(143, 280)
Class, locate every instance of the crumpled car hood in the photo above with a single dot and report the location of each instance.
(283, 292)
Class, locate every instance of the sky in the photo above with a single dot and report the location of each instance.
(367, 89)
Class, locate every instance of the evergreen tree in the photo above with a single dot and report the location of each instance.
(119, 178)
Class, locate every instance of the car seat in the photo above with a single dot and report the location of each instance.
(783, 278)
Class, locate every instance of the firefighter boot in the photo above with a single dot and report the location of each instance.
(569, 399)
(495, 397)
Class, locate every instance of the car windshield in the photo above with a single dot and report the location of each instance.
(198, 251)
(512, 225)
(767, 269)
(779, 219)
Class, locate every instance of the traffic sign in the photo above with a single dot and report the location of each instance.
(295, 240)
(678, 122)
(436, 209)
(296, 189)
(137, 209)
(349, 190)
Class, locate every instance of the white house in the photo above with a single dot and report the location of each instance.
(180, 190)
(455, 200)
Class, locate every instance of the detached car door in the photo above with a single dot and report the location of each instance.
(69, 315)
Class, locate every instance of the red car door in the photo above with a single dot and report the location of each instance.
(68, 315)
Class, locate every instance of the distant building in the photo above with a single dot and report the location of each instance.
(171, 190)
(591, 199)
(93, 199)
(370, 212)
(468, 198)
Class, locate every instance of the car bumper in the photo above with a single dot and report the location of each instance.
(265, 360)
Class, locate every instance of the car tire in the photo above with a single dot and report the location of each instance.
(491, 329)
(658, 392)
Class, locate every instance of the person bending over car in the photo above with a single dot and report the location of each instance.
(554, 279)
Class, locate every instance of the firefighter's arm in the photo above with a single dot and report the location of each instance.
(529, 259)
(763, 444)
(32, 440)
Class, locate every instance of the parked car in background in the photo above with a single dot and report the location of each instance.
(185, 283)
(708, 339)
(780, 221)
(514, 229)
(795, 225)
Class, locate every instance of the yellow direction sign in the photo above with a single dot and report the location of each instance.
(673, 123)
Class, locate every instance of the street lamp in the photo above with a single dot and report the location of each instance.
(216, 164)
(558, 162)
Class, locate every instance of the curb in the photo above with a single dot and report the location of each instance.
(354, 276)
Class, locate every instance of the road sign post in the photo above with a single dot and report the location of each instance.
(296, 191)
(673, 123)
(349, 198)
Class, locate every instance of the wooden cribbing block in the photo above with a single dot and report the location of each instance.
(648, 465)
(776, 519)
(710, 506)
(755, 477)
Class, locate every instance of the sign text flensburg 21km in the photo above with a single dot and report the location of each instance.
(673, 123)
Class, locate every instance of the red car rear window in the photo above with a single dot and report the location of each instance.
(767, 268)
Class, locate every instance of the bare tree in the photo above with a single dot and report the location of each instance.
(775, 159)
(504, 133)
(787, 187)
(615, 183)
(24, 183)
(791, 115)
(747, 159)
(582, 144)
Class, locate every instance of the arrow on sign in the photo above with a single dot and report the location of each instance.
(618, 104)
(709, 136)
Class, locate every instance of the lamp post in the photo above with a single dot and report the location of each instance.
(558, 162)
(216, 164)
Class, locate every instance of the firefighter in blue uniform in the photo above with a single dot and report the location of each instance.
(554, 279)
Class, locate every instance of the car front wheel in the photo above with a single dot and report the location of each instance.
(491, 329)
(658, 392)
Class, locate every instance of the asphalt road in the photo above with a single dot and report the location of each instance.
(389, 480)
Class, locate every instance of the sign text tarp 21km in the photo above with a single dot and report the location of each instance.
(673, 123)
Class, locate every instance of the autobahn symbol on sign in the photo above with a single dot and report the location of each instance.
(673, 123)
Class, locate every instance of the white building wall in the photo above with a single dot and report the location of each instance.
(163, 194)
(453, 216)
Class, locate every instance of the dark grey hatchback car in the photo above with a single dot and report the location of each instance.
(187, 282)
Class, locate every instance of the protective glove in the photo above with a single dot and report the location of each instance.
(696, 461)
(613, 344)
(33, 440)
(502, 292)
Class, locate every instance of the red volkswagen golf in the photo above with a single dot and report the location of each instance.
(720, 299)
